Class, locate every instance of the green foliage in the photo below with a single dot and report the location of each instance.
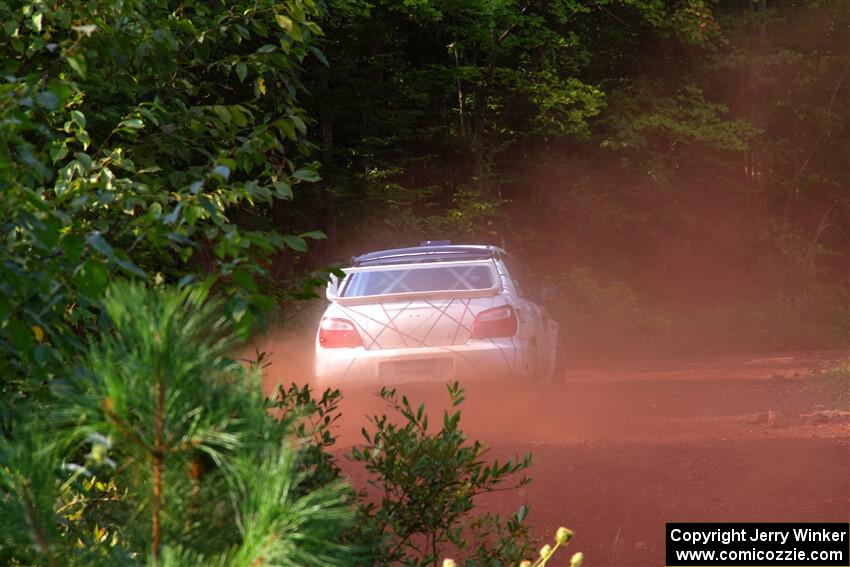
(429, 103)
(686, 122)
(421, 213)
(171, 456)
(28, 491)
(137, 139)
(564, 105)
(426, 482)
(313, 422)
(607, 312)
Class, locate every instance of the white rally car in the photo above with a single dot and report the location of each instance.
(435, 312)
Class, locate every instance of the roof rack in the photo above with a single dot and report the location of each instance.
(425, 253)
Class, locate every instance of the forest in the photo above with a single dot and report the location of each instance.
(177, 177)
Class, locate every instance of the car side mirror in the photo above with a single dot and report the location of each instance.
(550, 292)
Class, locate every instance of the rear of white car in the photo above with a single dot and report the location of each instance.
(437, 313)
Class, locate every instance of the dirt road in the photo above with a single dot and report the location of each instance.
(620, 451)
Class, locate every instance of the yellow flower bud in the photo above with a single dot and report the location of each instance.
(449, 563)
(563, 535)
(577, 559)
(525, 563)
(546, 551)
(97, 454)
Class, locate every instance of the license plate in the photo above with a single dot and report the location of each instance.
(401, 370)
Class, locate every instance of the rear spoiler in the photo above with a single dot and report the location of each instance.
(411, 295)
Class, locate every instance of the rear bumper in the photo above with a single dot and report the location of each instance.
(497, 359)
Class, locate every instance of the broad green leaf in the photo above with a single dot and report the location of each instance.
(319, 55)
(245, 326)
(284, 21)
(96, 241)
(149, 115)
(286, 128)
(239, 117)
(44, 354)
(302, 127)
(129, 267)
(282, 190)
(192, 214)
(295, 242)
(221, 171)
(243, 277)
(78, 65)
(133, 124)
(84, 160)
(173, 216)
(222, 112)
(307, 175)
(58, 151)
(237, 308)
(296, 33)
(78, 118)
(48, 100)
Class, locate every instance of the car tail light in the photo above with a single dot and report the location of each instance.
(338, 333)
(497, 322)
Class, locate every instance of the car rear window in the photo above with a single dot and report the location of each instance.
(419, 279)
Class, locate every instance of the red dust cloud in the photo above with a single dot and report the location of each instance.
(620, 450)
(651, 423)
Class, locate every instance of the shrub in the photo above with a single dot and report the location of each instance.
(163, 452)
(426, 482)
(121, 155)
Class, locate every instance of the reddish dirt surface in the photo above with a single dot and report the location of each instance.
(619, 451)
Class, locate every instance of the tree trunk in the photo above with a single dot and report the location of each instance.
(461, 103)
(326, 121)
(479, 139)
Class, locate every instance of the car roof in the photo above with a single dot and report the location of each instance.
(426, 253)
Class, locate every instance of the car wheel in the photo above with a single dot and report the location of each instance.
(546, 379)
(559, 374)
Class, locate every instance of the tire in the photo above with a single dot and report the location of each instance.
(559, 375)
(550, 378)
